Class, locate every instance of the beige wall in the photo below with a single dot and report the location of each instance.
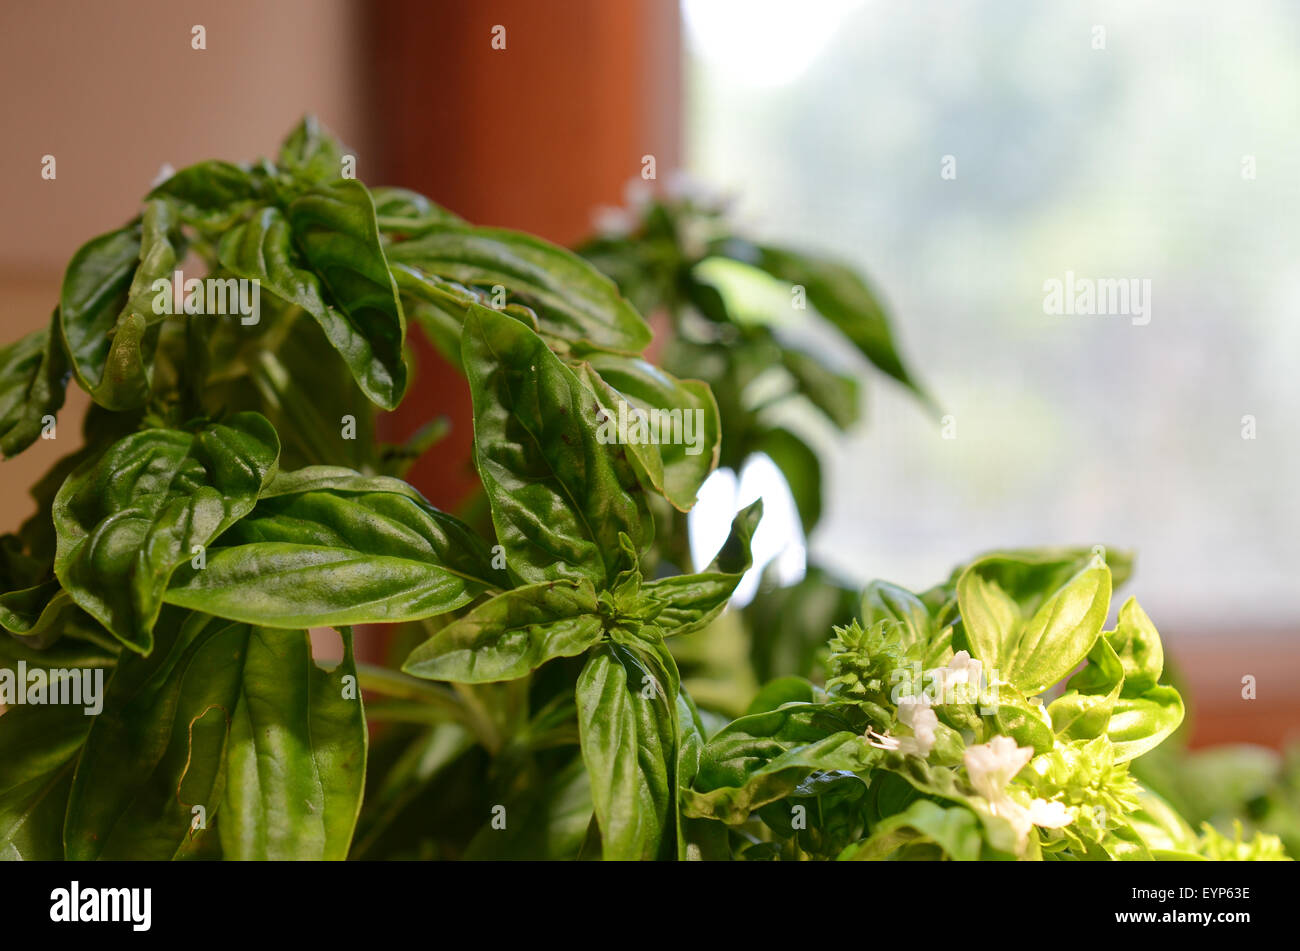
(114, 90)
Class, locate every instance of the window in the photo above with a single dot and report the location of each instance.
(966, 156)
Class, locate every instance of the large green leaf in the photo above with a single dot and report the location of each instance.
(573, 301)
(1139, 713)
(42, 612)
(158, 748)
(404, 212)
(211, 195)
(513, 633)
(560, 497)
(38, 749)
(627, 708)
(840, 295)
(296, 761)
(334, 227)
(327, 547)
(107, 318)
(954, 829)
(1141, 723)
(761, 758)
(127, 519)
(679, 444)
(1138, 647)
(682, 604)
(233, 719)
(342, 286)
(1032, 652)
(835, 394)
(32, 386)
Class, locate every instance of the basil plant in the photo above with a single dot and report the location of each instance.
(239, 339)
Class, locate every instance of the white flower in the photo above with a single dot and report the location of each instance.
(992, 765)
(959, 682)
(1049, 814)
(915, 714)
(882, 741)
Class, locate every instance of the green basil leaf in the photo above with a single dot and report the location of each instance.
(296, 757)
(954, 829)
(211, 196)
(882, 601)
(627, 701)
(405, 212)
(1124, 844)
(1082, 716)
(1033, 654)
(1160, 826)
(127, 519)
(991, 620)
(759, 759)
(333, 557)
(559, 497)
(40, 613)
(549, 823)
(682, 604)
(33, 383)
(39, 745)
(1032, 575)
(825, 814)
(1103, 674)
(107, 318)
(1137, 645)
(368, 340)
(573, 301)
(157, 751)
(439, 306)
(1060, 634)
(513, 633)
(835, 394)
(675, 444)
(1024, 722)
(1141, 723)
(335, 479)
(776, 693)
(311, 153)
(334, 226)
(840, 295)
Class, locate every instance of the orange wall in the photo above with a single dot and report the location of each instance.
(534, 136)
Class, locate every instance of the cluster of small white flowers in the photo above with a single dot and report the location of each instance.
(991, 766)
